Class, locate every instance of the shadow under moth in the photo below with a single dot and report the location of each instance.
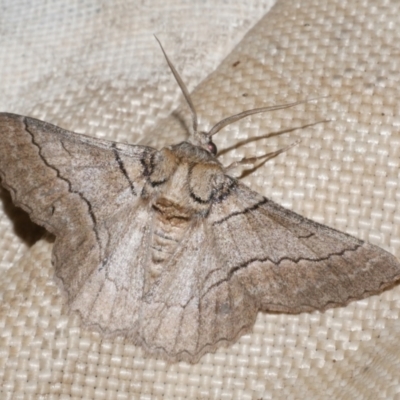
(166, 248)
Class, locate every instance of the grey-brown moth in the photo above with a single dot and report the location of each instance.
(164, 247)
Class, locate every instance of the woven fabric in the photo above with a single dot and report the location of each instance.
(93, 67)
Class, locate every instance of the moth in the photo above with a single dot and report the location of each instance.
(166, 248)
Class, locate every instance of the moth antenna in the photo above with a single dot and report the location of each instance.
(233, 118)
(182, 86)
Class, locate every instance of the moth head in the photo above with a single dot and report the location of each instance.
(204, 140)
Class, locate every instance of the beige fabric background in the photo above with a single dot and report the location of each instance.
(93, 66)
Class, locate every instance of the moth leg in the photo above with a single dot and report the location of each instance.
(252, 160)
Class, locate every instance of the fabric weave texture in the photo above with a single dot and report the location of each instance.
(94, 67)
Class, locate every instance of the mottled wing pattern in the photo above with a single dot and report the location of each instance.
(86, 191)
(289, 263)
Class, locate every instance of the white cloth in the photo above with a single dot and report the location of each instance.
(94, 67)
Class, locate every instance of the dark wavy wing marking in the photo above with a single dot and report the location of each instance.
(71, 184)
(289, 263)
